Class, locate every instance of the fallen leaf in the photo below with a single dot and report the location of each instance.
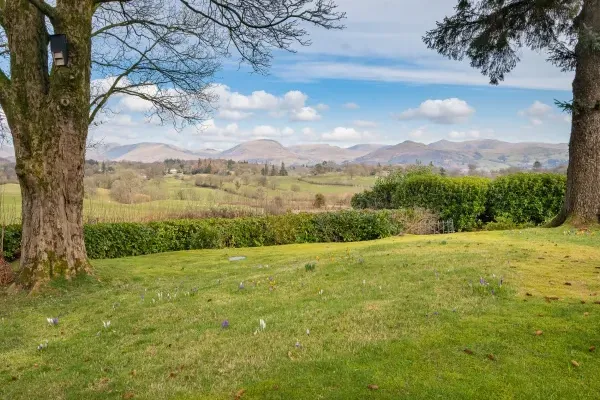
(528, 294)
(539, 333)
(548, 298)
(575, 363)
(128, 395)
(597, 302)
(582, 301)
(469, 352)
(592, 349)
(491, 357)
(172, 374)
(585, 314)
(568, 284)
(373, 387)
(133, 372)
(239, 394)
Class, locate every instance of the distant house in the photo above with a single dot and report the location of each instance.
(173, 171)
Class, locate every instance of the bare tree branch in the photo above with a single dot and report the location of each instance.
(186, 40)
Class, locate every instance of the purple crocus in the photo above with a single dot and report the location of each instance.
(481, 281)
(225, 324)
(52, 321)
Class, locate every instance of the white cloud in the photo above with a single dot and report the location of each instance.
(351, 106)
(472, 134)
(305, 114)
(234, 115)
(343, 134)
(236, 106)
(418, 133)
(322, 107)
(294, 99)
(287, 131)
(365, 124)
(448, 111)
(265, 131)
(539, 112)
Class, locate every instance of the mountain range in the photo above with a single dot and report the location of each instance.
(486, 154)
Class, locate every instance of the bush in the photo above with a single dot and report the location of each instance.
(526, 197)
(133, 239)
(520, 199)
(461, 199)
(319, 201)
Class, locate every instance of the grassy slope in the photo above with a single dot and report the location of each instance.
(403, 329)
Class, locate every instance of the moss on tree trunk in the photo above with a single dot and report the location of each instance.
(48, 115)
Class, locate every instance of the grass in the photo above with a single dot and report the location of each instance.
(182, 198)
(397, 313)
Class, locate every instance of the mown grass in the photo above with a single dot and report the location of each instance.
(396, 313)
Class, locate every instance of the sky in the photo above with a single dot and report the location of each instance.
(374, 82)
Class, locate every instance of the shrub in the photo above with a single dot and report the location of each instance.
(461, 199)
(319, 201)
(132, 239)
(526, 197)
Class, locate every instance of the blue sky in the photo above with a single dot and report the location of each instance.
(374, 82)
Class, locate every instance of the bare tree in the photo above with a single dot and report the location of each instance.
(163, 52)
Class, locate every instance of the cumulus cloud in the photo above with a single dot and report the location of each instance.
(305, 114)
(234, 115)
(236, 106)
(322, 107)
(418, 133)
(448, 111)
(472, 134)
(359, 123)
(343, 134)
(351, 106)
(539, 112)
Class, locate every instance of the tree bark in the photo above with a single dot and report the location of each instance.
(48, 117)
(582, 201)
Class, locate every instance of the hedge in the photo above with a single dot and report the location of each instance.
(523, 198)
(526, 198)
(114, 240)
(461, 199)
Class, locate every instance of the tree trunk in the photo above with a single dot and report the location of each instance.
(48, 117)
(582, 202)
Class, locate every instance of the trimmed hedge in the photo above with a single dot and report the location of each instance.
(133, 239)
(523, 198)
(526, 198)
(461, 199)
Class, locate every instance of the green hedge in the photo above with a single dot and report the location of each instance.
(523, 198)
(461, 199)
(526, 198)
(132, 239)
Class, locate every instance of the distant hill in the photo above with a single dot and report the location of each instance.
(487, 154)
(146, 152)
(262, 151)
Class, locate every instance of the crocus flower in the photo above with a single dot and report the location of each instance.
(52, 321)
(241, 285)
(263, 324)
(225, 324)
(106, 324)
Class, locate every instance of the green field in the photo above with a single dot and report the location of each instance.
(406, 314)
(181, 198)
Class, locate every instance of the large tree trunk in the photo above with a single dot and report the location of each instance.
(48, 118)
(582, 202)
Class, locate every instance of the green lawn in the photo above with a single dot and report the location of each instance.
(397, 313)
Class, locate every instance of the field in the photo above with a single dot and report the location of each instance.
(405, 317)
(180, 197)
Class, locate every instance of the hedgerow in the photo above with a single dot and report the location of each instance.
(114, 240)
(517, 199)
